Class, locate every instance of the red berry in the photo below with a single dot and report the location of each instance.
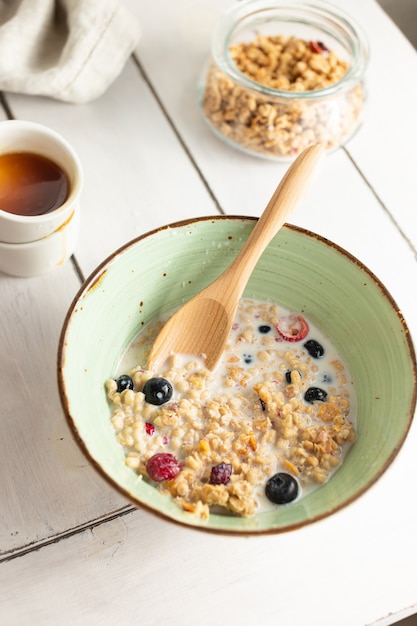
(220, 474)
(150, 428)
(316, 47)
(293, 328)
(162, 466)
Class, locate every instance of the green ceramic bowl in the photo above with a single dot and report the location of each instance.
(300, 271)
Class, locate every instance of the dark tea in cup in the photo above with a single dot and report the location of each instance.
(41, 179)
(31, 184)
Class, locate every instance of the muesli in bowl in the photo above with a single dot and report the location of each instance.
(371, 387)
(271, 423)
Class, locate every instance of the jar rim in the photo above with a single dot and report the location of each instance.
(292, 11)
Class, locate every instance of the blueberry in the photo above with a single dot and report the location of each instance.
(264, 329)
(124, 382)
(157, 391)
(315, 393)
(281, 488)
(314, 348)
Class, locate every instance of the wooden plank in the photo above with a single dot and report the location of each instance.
(40, 465)
(138, 569)
(47, 486)
(385, 148)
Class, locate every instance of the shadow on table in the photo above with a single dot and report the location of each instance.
(404, 14)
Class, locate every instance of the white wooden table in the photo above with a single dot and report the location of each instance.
(73, 551)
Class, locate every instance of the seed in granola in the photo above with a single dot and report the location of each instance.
(162, 466)
(248, 358)
(124, 382)
(314, 394)
(264, 329)
(314, 348)
(282, 488)
(220, 474)
(157, 391)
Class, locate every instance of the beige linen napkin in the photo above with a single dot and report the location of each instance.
(71, 50)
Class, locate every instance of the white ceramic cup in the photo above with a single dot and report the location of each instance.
(41, 256)
(24, 136)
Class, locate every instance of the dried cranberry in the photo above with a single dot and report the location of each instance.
(220, 474)
(316, 47)
(162, 466)
(150, 428)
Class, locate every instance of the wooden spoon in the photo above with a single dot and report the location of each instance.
(202, 325)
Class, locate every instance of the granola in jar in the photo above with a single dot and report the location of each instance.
(270, 424)
(282, 77)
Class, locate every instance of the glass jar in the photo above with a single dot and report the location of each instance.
(284, 75)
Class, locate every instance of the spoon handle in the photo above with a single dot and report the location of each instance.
(290, 190)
